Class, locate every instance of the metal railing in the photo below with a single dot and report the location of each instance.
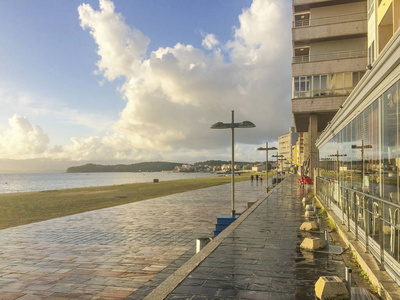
(330, 20)
(329, 56)
(375, 222)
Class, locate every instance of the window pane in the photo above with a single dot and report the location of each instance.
(308, 86)
(316, 83)
(302, 83)
(389, 173)
(296, 84)
(347, 80)
(339, 81)
(324, 80)
(332, 81)
(356, 78)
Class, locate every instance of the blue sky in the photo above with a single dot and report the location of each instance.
(124, 79)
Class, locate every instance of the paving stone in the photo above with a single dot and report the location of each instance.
(123, 247)
(261, 258)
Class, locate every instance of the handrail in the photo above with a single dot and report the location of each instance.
(330, 20)
(373, 220)
(364, 194)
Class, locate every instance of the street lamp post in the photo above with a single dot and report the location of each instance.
(233, 125)
(266, 162)
(362, 147)
(337, 155)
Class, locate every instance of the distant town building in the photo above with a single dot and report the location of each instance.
(258, 168)
(285, 143)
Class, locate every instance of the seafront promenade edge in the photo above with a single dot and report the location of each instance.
(110, 253)
(257, 257)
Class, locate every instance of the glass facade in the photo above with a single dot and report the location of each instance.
(365, 155)
(337, 84)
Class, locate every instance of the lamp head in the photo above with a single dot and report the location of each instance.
(246, 124)
(220, 125)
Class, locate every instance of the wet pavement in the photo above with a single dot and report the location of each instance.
(261, 258)
(110, 253)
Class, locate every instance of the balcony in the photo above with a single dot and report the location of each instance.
(330, 27)
(330, 56)
(324, 107)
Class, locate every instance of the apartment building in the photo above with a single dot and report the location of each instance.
(285, 143)
(329, 59)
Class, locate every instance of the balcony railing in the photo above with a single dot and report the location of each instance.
(330, 56)
(330, 20)
(323, 93)
(375, 222)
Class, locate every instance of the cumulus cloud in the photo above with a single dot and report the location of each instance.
(174, 94)
(23, 140)
(209, 41)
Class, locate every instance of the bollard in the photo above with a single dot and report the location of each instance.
(326, 236)
(319, 222)
(348, 280)
(201, 243)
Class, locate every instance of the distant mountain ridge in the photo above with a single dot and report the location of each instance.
(157, 166)
(138, 167)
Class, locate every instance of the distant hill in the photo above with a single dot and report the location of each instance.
(138, 167)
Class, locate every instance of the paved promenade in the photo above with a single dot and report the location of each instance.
(110, 253)
(259, 259)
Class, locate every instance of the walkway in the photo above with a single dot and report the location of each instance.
(259, 259)
(110, 253)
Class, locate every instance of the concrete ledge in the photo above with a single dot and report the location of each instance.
(167, 286)
(386, 286)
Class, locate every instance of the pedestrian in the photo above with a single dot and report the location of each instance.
(257, 177)
(261, 178)
(252, 177)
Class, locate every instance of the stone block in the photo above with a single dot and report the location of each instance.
(312, 244)
(331, 288)
(308, 226)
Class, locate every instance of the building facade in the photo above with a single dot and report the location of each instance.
(359, 151)
(285, 144)
(329, 59)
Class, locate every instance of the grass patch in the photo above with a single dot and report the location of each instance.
(24, 208)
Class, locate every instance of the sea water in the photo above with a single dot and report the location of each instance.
(30, 182)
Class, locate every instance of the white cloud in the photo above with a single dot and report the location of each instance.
(23, 140)
(175, 94)
(210, 41)
(120, 47)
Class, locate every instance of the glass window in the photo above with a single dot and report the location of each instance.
(296, 84)
(389, 174)
(316, 81)
(339, 80)
(347, 80)
(332, 81)
(356, 78)
(324, 82)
